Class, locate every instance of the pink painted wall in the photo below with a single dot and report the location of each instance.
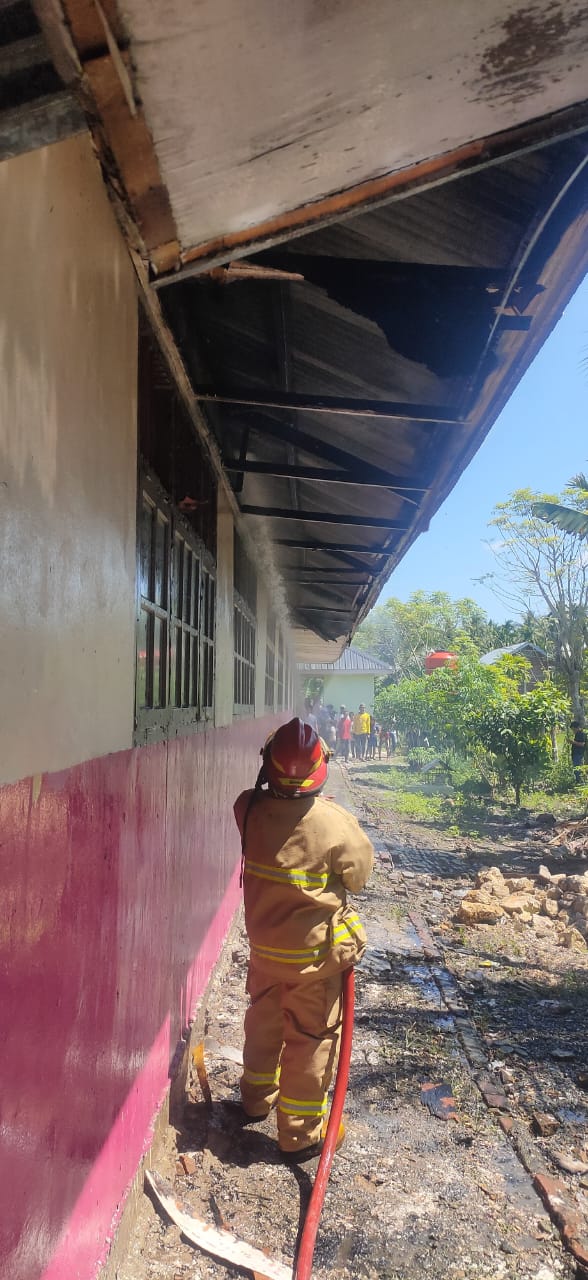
(119, 881)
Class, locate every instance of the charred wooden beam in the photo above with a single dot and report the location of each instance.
(40, 123)
(325, 571)
(318, 586)
(23, 55)
(393, 411)
(325, 517)
(308, 443)
(319, 608)
(360, 475)
(308, 544)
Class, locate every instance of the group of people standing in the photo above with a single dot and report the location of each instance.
(359, 735)
(352, 734)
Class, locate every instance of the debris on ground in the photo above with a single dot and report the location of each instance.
(554, 904)
(474, 1010)
(564, 838)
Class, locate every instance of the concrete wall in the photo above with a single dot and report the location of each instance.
(349, 691)
(68, 344)
(118, 865)
(120, 879)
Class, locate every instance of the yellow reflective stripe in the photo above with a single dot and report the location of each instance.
(293, 951)
(293, 875)
(346, 928)
(261, 1077)
(299, 958)
(300, 1107)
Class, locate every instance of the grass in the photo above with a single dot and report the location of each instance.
(461, 812)
(571, 805)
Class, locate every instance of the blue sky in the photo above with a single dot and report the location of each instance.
(539, 441)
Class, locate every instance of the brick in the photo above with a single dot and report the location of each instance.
(564, 1214)
(188, 1163)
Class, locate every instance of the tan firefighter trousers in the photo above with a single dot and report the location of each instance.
(292, 1035)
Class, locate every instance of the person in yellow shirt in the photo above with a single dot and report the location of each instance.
(361, 731)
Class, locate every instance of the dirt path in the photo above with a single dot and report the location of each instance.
(411, 1195)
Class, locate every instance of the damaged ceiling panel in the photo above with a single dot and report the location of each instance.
(253, 116)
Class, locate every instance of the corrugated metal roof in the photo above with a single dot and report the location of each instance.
(494, 655)
(438, 315)
(458, 140)
(352, 662)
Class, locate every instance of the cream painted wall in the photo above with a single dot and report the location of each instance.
(68, 353)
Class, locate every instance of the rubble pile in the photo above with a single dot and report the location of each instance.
(563, 839)
(555, 906)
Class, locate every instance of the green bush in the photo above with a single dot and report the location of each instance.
(417, 757)
(480, 788)
(559, 776)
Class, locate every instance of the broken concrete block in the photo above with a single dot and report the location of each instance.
(520, 884)
(519, 902)
(479, 912)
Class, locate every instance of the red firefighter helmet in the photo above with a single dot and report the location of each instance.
(295, 760)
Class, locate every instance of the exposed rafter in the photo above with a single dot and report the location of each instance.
(325, 517)
(40, 123)
(394, 411)
(310, 444)
(360, 474)
(309, 544)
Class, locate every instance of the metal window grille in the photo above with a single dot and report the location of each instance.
(270, 663)
(244, 605)
(244, 656)
(175, 623)
(280, 668)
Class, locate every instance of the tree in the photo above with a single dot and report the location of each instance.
(515, 729)
(545, 567)
(402, 633)
(480, 712)
(443, 705)
(572, 519)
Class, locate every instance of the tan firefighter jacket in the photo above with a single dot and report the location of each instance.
(300, 856)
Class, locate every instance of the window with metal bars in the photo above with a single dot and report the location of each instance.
(244, 661)
(244, 603)
(280, 670)
(270, 662)
(175, 624)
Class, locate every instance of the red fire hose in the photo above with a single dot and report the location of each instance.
(309, 1231)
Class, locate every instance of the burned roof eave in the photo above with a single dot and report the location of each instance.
(570, 274)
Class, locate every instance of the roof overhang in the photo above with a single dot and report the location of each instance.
(361, 222)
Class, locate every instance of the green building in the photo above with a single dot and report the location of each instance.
(348, 681)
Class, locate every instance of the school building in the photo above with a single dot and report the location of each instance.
(267, 278)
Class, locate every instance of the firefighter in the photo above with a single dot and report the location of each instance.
(301, 853)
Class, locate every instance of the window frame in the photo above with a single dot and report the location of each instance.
(280, 670)
(171, 720)
(270, 662)
(244, 624)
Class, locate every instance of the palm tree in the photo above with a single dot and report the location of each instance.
(570, 519)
